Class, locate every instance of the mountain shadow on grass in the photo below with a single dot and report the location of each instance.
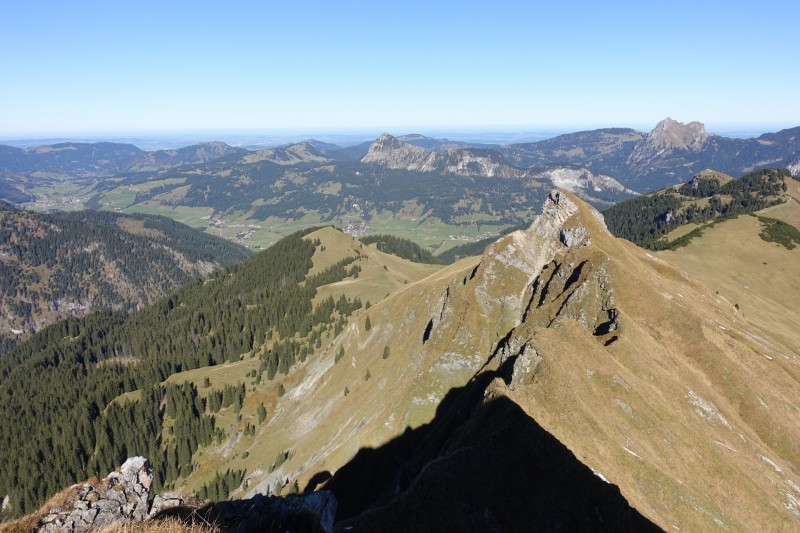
(310, 513)
(480, 465)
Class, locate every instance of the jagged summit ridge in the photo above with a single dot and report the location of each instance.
(446, 327)
(510, 266)
(670, 133)
(391, 152)
(668, 136)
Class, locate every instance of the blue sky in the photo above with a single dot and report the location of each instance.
(202, 66)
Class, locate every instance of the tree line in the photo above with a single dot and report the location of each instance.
(400, 247)
(646, 219)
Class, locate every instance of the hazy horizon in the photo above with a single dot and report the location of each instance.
(351, 136)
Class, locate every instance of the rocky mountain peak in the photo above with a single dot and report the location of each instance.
(668, 136)
(391, 152)
(387, 143)
(387, 138)
(670, 133)
(502, 283)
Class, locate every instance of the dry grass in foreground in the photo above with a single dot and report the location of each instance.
(66, 499)
(27, 524)
(168, 525)
(63, 499)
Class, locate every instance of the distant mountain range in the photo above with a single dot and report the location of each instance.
(640, 160)
(106, 159)
(668, 155)
(18, 166)
(466, 190)
(390, 152)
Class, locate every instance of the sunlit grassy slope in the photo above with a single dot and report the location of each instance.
(761, 278)
(381, 275)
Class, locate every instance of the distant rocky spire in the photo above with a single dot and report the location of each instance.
(668, 135)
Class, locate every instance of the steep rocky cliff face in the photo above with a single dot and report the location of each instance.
(581, 180)
(668, 136)
(390, 152)
(794, 167)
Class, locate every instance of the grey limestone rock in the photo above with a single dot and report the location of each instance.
(123, 497)
(574, 237)
(525, 365)
(163, 502)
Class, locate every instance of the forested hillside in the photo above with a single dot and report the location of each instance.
(61, 264)
(265, 189)
(646, 220)
(58, 424)
(400, 247)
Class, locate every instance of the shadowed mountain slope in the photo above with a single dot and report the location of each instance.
(482, 464)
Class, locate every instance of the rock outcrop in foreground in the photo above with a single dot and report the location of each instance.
(123, 497)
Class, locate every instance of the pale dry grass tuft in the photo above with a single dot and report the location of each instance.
(167, 525)
(62, 500)
(20, 525)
